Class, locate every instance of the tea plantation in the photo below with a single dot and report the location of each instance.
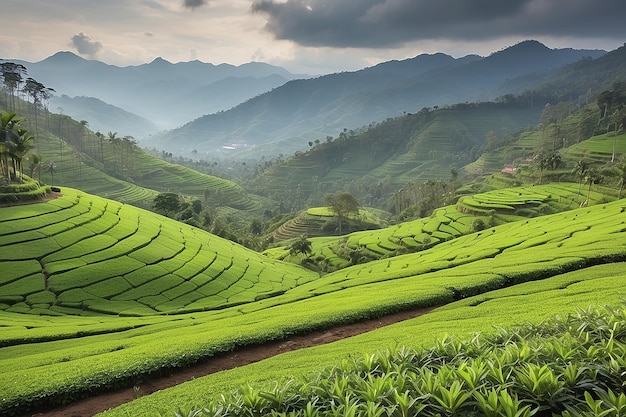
(98, 295)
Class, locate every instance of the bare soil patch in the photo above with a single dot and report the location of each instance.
(244, 356)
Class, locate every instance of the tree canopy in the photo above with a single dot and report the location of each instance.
(342, 205)
(167, 203)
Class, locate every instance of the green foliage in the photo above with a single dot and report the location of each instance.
(167, 203)
(515, 372)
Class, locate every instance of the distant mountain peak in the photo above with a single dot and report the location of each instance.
(64, 57)
(160, 61)
(527, 46)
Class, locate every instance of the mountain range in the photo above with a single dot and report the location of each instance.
(286, 118)
(160, 92)
(265, 110)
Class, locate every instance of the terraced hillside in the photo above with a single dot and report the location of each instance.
(73, 355)
(138, 182)
(320, 221)
(81, 254)
(471, 213)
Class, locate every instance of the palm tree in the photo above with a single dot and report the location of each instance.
(592, 177)
(580, 170)
(8, 131)
(36, 162)
(301, 246)
(23, 145)
(15, 143)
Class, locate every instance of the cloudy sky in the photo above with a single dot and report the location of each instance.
(306, 36)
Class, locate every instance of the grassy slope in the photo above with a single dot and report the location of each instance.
(312, 222)
(103, 352)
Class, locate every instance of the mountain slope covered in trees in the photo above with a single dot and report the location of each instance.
(284, 119)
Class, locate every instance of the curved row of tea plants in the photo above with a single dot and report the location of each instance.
(71, 364)
(471, 213)
(321, 221)
(28, 190)
(486, 313)
(81, 253)
(569, 366)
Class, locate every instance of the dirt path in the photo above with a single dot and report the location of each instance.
(93, 405)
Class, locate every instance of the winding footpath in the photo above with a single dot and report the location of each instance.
(244, 356)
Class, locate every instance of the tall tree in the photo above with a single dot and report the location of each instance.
(542, 161)
(580, 170)
(12, 76)
(618, 118)
(342, 205)
(15, 143)
(22, 147)
(621, 166)
(114, 140)
(39, 94)
(100, 137)
(593, 176)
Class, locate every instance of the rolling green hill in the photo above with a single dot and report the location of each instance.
(470, 214)
(82, 254)
(57, 253)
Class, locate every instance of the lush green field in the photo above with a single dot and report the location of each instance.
(560, 257)
(321, 221)
(491, 208)
(568, 365)
(487, 313)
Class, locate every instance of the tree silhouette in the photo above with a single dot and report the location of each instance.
(621, 166)
(100, 137)
(542, 161)
(51, 168)
(12, 75)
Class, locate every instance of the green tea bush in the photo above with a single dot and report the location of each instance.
(568, 366)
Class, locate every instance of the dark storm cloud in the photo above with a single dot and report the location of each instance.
(85, 46)
(192, 4)
(379, 23)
